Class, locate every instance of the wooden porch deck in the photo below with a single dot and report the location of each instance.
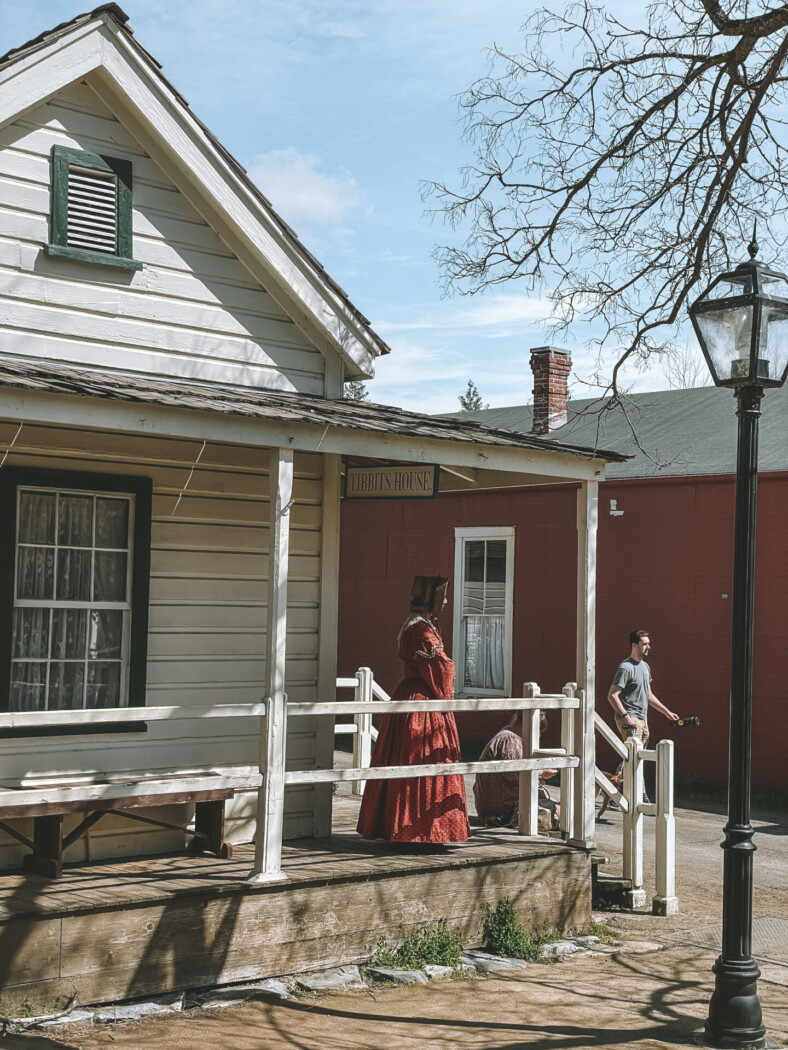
(147, 926)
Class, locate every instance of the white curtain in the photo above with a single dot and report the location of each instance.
(484, 652)
(66, 658)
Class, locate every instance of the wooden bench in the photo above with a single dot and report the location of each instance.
(48, 803)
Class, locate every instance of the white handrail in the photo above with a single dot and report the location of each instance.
(328, 776)
(498, 703)
(607, 733)
(634, 809)
(381, 694)
(100, 716)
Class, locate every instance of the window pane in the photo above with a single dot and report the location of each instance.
(495, 599)
(473, 599)
(484, 652)
(69, 633)
(66, 686)
(35, 572)
(474, 561)
(112, 522)
(496, 561)
(106, 634)
(30, 635)
(103, 684)
(73, 575)
(75, 521)
(28, 687)
(109, 584)
(37, 517)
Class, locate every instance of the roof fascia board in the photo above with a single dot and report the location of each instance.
(31, 79)
(165, 421)
(200, 164)
(100, 47)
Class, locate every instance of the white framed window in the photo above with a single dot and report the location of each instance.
(77, 551)
(483, 606)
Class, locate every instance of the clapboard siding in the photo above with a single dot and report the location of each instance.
(207, 620)
(193, 310)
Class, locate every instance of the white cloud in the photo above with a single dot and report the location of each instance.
(300, 192)
(499, 316)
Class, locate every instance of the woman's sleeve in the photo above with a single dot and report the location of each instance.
(433, 664)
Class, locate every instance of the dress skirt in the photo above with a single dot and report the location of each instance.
(417, 809)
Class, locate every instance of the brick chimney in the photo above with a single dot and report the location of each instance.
(551, 368)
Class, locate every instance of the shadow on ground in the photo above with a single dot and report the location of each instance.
(644, 1001)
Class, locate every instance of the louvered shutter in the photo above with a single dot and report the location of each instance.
(92, 210)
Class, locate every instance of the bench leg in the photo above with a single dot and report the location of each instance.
(209, 822)
(47, 857)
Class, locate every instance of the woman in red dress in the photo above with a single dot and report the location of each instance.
(418, 809)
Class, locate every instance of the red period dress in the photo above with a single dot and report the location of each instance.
(419, 809)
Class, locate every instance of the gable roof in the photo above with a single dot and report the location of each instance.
(99, 46)
(680, 433)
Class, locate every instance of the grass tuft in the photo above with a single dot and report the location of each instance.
(504, 934)
(427, 946)
(597, 929)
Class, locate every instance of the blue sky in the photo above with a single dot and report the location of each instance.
(339, 110)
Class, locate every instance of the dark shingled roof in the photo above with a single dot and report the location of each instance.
(680, 432)
(121, 18)
(273, 405)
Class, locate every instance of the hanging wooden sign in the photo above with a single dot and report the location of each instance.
(392, 482)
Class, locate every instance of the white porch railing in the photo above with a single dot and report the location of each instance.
(630, 801)
(366, 689)
(271, 778)
(370, 698)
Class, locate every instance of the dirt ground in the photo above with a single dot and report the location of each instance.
(644, 1001)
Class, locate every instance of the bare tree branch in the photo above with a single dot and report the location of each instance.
(620, 167)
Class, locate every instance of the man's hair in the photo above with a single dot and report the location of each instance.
(636, 636)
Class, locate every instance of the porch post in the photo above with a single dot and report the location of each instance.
(582, 832)
(528, 822)
(273, 733)
(665, 901)
(328, 639)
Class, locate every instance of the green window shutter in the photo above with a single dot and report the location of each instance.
(91, 208)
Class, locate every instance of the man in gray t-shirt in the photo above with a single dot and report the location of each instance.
(630, 695)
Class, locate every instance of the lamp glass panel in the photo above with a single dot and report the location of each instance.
(727, 334)
(729, 286)
(773, 352)
(775, 286)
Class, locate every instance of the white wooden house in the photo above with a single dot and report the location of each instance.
(172, 362)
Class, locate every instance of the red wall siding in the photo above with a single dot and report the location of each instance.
(664, 565)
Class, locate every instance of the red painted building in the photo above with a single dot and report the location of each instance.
(665, 543)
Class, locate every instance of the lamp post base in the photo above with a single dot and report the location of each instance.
(735, 1019)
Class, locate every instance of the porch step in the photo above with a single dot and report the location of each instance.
(609, 890)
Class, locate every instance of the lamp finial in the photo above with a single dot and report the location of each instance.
(752, 247)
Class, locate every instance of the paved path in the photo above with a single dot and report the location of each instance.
(699, 871)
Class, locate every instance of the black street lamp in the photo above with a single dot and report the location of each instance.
(742, 324)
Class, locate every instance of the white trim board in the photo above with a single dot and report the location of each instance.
(501, 532)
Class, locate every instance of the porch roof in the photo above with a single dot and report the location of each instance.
(283, 409)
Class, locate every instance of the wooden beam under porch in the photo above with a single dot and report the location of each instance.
(158, 924)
